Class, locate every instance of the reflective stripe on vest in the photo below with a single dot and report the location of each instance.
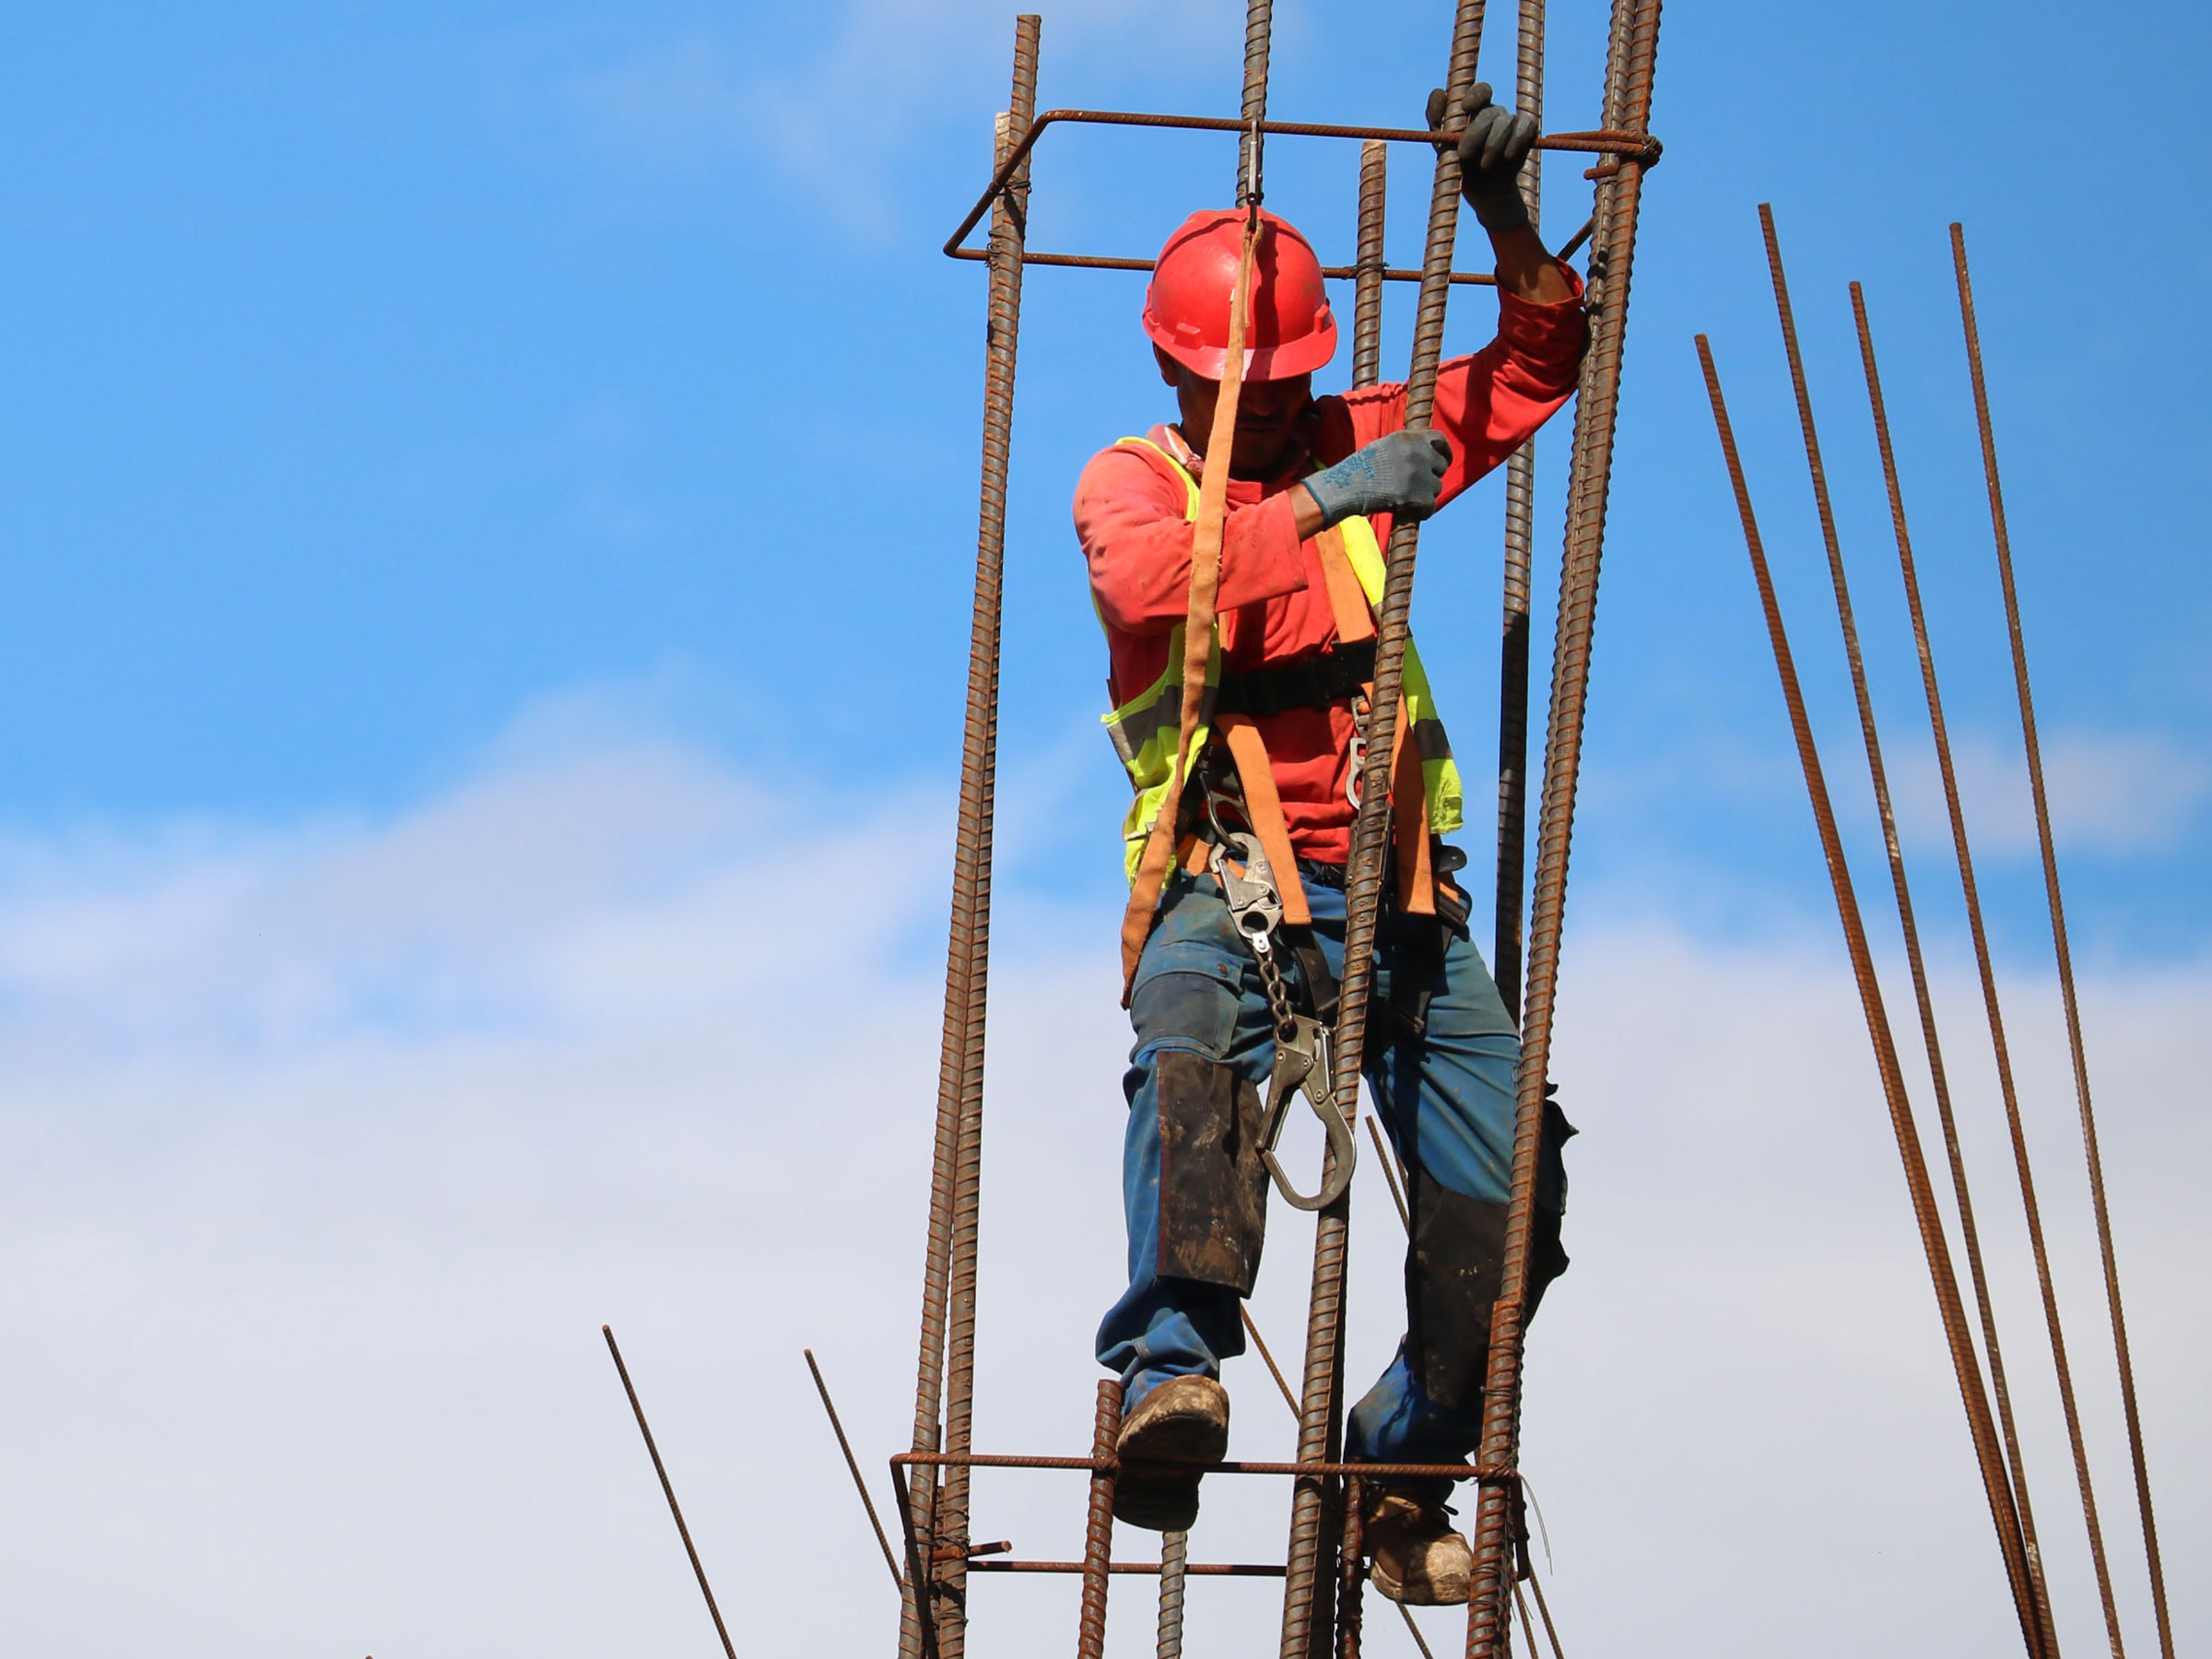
(1144, 729)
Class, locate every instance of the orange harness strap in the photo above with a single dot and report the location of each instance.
(1347, 599)
(1198, 623)
(1408, 787)
(1265, 809)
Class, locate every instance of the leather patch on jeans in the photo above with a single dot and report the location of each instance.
(1455, 1267)
(1213, 1188)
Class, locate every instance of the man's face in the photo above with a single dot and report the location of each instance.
(1267, 414)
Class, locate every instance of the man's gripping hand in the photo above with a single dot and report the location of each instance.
(1492, 145)
(1398, 474)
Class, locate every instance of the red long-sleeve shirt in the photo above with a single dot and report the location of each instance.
(1274, 604)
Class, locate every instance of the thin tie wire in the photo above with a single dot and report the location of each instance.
(2065, 955)
(1986, 968)
(1909, 925)
(1933, 1243)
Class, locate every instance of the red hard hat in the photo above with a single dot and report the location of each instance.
(1186, 309)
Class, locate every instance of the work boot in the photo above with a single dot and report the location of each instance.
(1175, 1431)
(1418, 1559)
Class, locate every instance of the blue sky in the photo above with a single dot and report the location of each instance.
(381, 370)
(486, 513)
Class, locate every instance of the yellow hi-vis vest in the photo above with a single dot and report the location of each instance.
(1145, 729)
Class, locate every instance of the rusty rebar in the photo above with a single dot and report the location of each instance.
(1301, 1469)
(1602, 142)
(945, 1372)
(1308, 1588)
(1104, 261)
(1908, 927)
(1368, 272)
(1259, 29)
(669, 1491)
(2066, 957)
(1940, 729)
(1174, 1563)
(1098, 1534)
(1630, 64)
(859, 1484)
(1350, 1550)
(1519, 566)
(1933, 1243)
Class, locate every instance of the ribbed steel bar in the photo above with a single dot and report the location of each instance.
(1908, 927)
(1993, 1007)
(1098, 1533)
(1174, 1562)
(1368, 270)
(2066, 957)
(1631, 58)
(1259, 30)
(946, 1367)
(1350, 1548)
(1520, 563)
(1604, 142)
(1930, 1222)
(1309, 1586)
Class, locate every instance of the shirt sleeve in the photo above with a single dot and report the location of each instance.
(1129, 519)
(1489, 404)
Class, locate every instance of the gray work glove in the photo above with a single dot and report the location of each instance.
(1398, 474)
(1493, 147)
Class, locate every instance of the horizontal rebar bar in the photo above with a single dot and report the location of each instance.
(1142, 1568)
(1600, 143)
(1103, 1465)
(1106, 262)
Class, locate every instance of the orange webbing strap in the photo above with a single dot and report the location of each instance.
(1409, 823)
(1347, 599)
(1198, 622)
(1264, 809)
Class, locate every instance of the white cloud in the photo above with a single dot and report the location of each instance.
(326, 1149)
(2111, 792)
(831, 118)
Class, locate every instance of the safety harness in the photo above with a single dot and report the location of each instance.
(1243, 839)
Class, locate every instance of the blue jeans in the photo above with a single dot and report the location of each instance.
(1447, 1100)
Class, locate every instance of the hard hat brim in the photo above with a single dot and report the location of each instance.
(1285, 361)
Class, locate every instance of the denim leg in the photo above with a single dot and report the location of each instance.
(1196, 993)
(1449, 1099)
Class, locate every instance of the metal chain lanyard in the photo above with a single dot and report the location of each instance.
(1303, 1048)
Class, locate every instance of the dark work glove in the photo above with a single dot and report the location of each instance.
(1493, 147)
(1399, 474)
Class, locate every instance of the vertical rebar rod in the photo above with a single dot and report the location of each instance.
(943, 1389)
(1908, 927)
(1307, 1589)
(1098, 1534)
(669, 1491)
(1352, 1545)
(1520, 563)
(1631, 63)
(2058, 937)
(1259, 31)
(1367, 282)
(1930, 1222)
(1991, 1004)
(1174, 1555)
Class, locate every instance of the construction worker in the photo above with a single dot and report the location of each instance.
(1314, 485)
